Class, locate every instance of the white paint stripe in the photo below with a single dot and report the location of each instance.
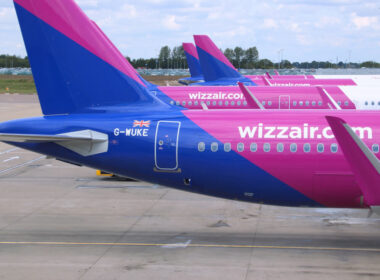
(10, 159)
(21, 165)
(9, 151)
(177, 245)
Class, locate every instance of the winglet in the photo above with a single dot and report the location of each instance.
(268, 75)
(276, 72)
(326, 97)
(363, 162)
(252, 101)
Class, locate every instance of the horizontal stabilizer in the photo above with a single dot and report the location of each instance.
(85, 142)
(252, 101)
(362, 160)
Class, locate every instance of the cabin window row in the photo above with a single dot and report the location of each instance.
(209, 103)
(372, 103)
(239, 103)
(279, 147)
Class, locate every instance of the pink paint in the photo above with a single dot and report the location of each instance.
(263, 81)
(69, 19)
(190, 49)
(277, 76)
(324, 177)
(274, 97)
(366, 174)
(206, 44)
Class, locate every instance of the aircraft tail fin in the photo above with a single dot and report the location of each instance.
(214, 63)
(192, 60)
(362, 160)
(74, 65)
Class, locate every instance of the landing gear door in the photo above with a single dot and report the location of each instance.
(166, 145)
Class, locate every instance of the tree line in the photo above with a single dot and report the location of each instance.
(241, 58)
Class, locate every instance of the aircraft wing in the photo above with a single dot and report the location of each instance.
(253, 102)
(362, 160)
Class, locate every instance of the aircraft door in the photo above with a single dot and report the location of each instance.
(166, 145)
(284, 102)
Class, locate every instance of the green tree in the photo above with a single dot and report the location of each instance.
(264, 64)
(238, 55)
(251, 57)
(164, 57)
(230, 54)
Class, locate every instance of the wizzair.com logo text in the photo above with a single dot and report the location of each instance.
(216, 96)
(305, 131)
(275, 84)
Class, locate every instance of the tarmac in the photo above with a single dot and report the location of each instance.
(59, 221)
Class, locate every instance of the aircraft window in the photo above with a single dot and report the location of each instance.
(183, 103)
(190, 103)
(294, 103)
(214, 147)
(263, 103)
(339, 103)
(208, 103)
(334, 148)
(253, 147)
(375, 148)
(307, 103)
(245, 103)
(366, 103)
(346, 103)
(201, 146)
(227, 147)
(172, 102)
(319, 103)
(266, 147)
(240, 147)
(301, 103)
(313, 103)
(320, 148)
(220, 103)
(239, 103)
(280, 147)
(226, 103)
(372, 103)
(293, 147)
(177, 103)
(306, 148)
(214, 103)
(232, 103)
(269, 103)
(196, 103)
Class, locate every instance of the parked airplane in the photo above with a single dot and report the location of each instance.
(218, 70)
(232, 97)
(193, 63)
(96, 115)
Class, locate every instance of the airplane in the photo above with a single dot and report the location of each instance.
(113, 123)
(193, 63)
(232, 97)
(218, 70)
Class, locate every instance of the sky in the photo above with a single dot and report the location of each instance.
(297, 30)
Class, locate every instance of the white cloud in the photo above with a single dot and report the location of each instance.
(170, 23)
(362, 22)
(270, 23)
